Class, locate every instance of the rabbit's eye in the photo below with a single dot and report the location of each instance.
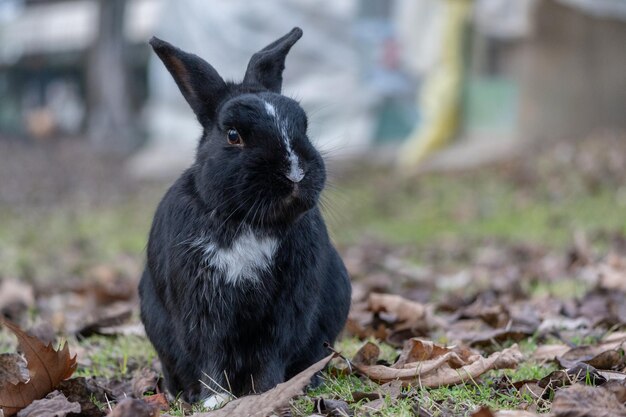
(233, 137)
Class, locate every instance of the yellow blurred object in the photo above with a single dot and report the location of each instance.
(439, 100)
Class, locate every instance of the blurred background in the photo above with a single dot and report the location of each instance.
(447, 124)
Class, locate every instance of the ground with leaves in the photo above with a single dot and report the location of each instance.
(475, 292)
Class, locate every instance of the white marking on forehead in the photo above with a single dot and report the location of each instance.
(247, 257)
(269, 108)
(295, 172)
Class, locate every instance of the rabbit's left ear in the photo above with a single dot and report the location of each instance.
(201, 85)
(266, 66)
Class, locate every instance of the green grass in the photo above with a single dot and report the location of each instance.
(115, 357)
(473, 206)
(64, 241)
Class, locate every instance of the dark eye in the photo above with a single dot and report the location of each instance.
(233, 137)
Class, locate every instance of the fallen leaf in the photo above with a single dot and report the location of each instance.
(369, 396)
(127, 329)
(612, 274)
(47, 368)
(540, 396)
(106, 318)
(608, 360)
(15, 299)
(133, 407)
(331, 408)
(549, 352)
(604, 307)
(446, 369)
(495, 315)
(54, 404)
(499, 336)
(392, 318)
(613, 341)
(417, 350)
(407, 312)
(108, 285)
(13, 369)
(586, 401)
(612, 375)
(367, 354)
(386, 393)
(557, 324)
(483, 412)
(117, 389)
(581, 372)
(144, 381)
(618, 388)
(158, 400)
(84, 391)
(264, 404)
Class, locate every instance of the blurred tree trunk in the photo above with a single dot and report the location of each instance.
(109, 122)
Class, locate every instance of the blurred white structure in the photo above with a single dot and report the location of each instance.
(322, 72)
(531, 70)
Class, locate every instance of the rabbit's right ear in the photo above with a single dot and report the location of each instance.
(201, 85)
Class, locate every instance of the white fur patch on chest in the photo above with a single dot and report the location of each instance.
(244, 260)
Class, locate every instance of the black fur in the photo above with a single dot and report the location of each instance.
(255, 333)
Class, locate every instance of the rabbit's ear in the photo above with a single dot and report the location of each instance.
(266, 66)
(201, 85)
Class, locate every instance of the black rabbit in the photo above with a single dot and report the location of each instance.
(242, 285)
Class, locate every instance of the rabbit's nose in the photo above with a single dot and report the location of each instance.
(295, 175)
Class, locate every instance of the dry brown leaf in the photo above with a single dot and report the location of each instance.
(55, 404)
(47, 368)
(483, 412)
(608, 360)
(618, 388)
(417, 350)
(585, 353)
(331, 408)
(158, 400)
(266, 403)
(367, 354)
(105, 318)
(390, 391)
(15, 299)
(578, 373)
(612, 375)
(549, 352)
(615, 337)
(447, 369)
(13, 369)
(494, 314)
(613, 341)
(586, 401)
(85, 391)
(612, 274)
(499, 336)
(144, 380)
(407, 312)
(132, 407)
